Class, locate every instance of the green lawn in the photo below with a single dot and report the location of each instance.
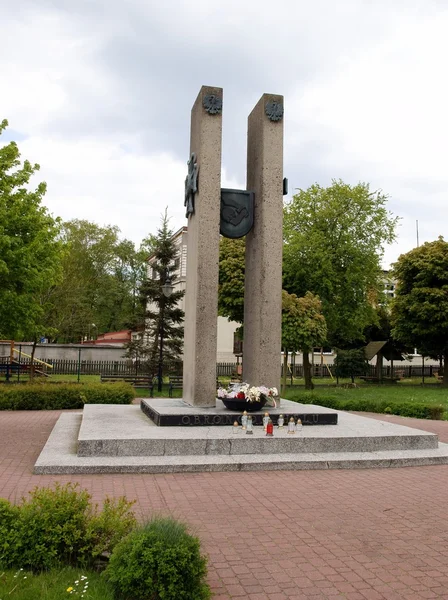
(437, 394)
(53, 585)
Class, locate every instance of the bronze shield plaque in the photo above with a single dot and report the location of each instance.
(237, 213)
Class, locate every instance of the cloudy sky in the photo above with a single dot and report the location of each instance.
(99, 92)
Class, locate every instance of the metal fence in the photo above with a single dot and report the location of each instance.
(101, 367)
(387, 371)
(223, 369)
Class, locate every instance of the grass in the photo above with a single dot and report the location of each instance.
(395, 399)
(54, 585)
(369, 392)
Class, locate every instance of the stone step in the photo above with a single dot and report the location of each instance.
(59, 457)
(109, 430)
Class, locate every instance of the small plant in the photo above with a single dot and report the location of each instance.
(159, 561)
(55, 584)
(80, 586)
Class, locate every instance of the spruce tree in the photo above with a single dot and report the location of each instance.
(162, 315)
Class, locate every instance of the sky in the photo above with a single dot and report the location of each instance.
(99, 93)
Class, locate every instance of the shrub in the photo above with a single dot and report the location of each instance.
(418, 410)
(47, 396)
(59, 525)
(8, 521)
(159, 561)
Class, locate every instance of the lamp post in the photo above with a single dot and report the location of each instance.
(167, 289)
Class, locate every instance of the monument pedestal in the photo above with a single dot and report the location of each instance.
(174, 412)
(121, 439)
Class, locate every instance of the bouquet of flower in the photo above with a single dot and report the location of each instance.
(243, 391)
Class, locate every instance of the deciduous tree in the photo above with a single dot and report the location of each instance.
(334, 241)
(30, 253)
(420, 308)
(303, 327)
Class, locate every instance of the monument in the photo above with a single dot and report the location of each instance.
(257, 213)
(166, 435)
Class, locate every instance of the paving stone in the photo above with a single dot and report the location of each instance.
(362, 521)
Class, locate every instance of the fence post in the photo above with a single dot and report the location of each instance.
(79, 364)
(20, 359)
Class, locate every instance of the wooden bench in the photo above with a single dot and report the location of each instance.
(439, 378)
(368, 379)
(138, 381)
(176, 382)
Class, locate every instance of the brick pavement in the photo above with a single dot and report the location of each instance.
(354, 535)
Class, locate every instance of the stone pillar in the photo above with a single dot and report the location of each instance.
(201, 298)
(263, 280)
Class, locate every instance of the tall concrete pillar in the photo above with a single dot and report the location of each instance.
(201, 298)
(263, 280)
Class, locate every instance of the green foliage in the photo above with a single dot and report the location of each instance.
(231, 279)
(160, 313)
(303, 324)
(350, 401)
(160, 561)
(49, 396)
(350, 363)
(30, 254)
(9, 515)
(334, 240)
(59, 525)
(99, 288)
(420, 309)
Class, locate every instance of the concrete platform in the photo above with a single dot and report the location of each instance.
(174, 412)
(109, 430)
(129, 443)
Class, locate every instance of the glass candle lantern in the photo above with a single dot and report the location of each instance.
(299, 425)
(250, 427)
(265, 420)
(236, 427)
(244, 419)
(291, 425)
(280, 421)
(270, 428)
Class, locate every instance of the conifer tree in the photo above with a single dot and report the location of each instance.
(162, 342)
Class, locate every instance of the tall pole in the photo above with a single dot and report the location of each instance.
(161, 332)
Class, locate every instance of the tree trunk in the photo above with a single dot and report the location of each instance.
(307, 371)
(379, 366)
(285, 369)
(33, 350)
(445, 372)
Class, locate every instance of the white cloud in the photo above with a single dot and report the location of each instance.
(97, 90)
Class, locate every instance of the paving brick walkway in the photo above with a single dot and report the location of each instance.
(354, 535)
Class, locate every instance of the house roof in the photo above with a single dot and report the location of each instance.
(389, 353)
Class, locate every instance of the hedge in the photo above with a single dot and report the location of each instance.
(47, 396)
(418, 410)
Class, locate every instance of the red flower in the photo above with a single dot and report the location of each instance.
(241, 396)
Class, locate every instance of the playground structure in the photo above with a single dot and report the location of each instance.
(12, 366)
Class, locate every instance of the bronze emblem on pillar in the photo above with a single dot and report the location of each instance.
(274, 110)
(237, 213)
(212, 104)
(191, 184)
